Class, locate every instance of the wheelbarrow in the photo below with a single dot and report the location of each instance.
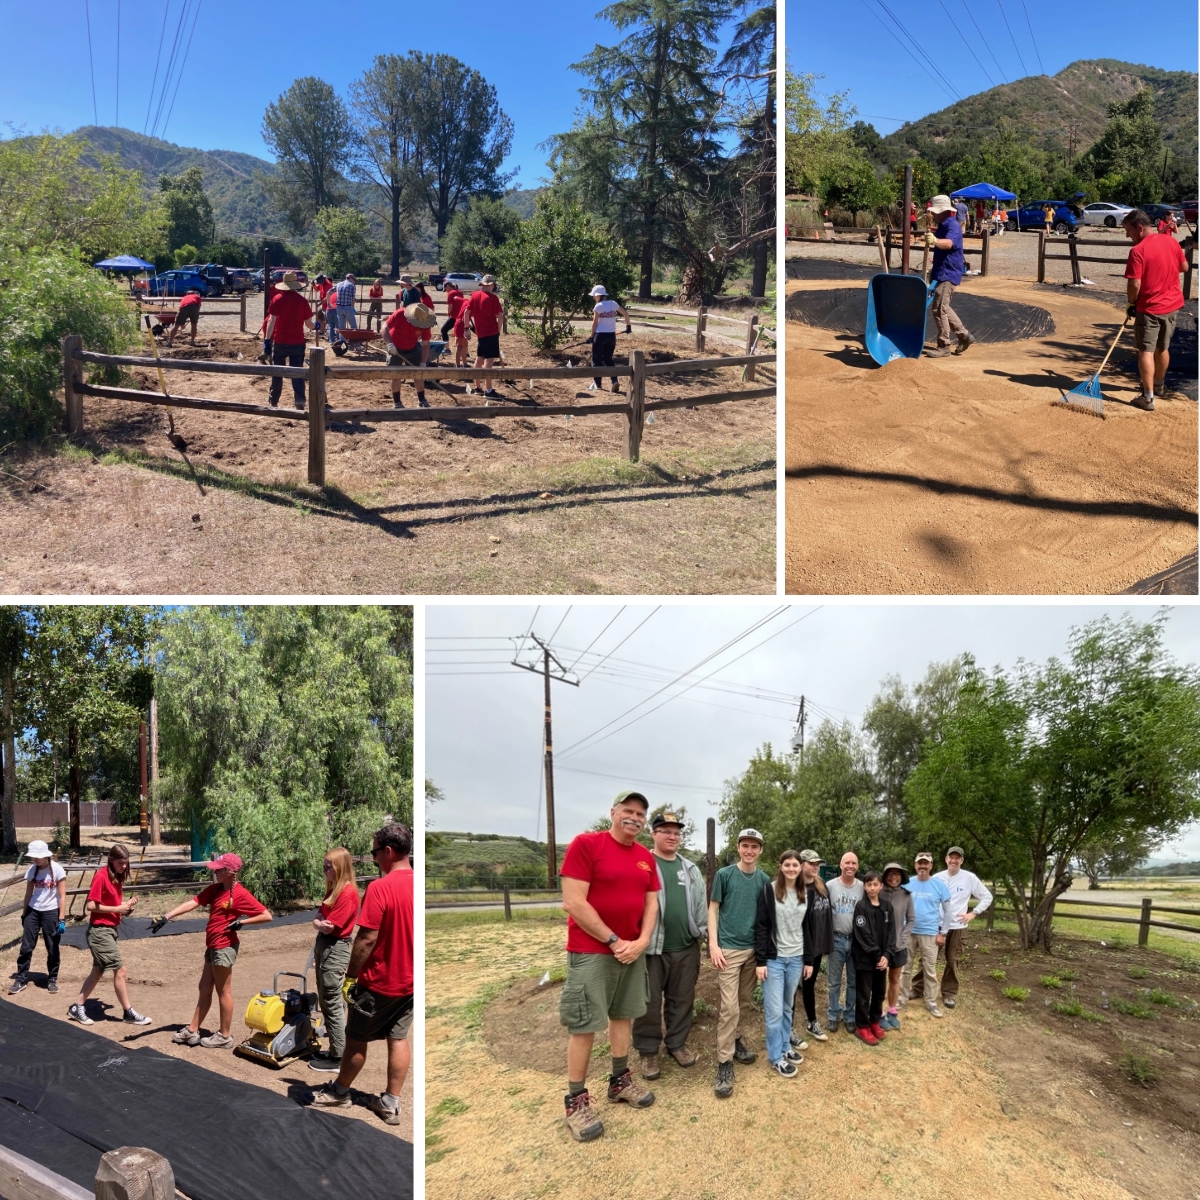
(351, 337)
(156, 322)
(897, 309)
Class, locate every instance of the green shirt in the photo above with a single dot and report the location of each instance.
(676, 934)
(737, 894)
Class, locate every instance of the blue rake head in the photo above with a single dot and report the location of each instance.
(1090, 389)
(1086, 397)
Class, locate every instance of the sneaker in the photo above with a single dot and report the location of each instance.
(797, 1042)
(934, 1011)
(741, 1054)
(396, 401)
(878, 1030)
(948, 1001)
(421, 401)
(18, 986)
(724, 1085)
(582, 1123)
(793, 1056)
(849, 1028)
(216, 1041)
(133, 1017)
(322, 1062)
(591, 387)
(965, 342)
(784, 1068)
(650, 1067)
(865, 1035)
(186, 1037)
(381, 1108)
(624, 1089)
(330, 1097)
(891, 1021)
(492, 394)
(52, 987)
(816, 1032)
(77, 1012)
(1144, 402)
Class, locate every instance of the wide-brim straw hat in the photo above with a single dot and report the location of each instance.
(419, 316)
(288, 283)
(941, 204)
(488, 281)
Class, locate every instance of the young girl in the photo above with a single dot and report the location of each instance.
(818, 939)
(376, 308)
(604, 333)
(230, 906)
(105, 906)
(779, 958)
(331, 953)
(894, 877)
(44, 912)
(874, 938)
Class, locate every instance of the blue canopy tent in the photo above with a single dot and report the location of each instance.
(982, 191)
(126, 262)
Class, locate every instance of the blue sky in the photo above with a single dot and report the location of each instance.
(524, 50)
(889, 87)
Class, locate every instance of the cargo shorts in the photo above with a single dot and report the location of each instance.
(225, 956)
(598, 987)
(1153, 331)
(102, 942)
(374, 1016)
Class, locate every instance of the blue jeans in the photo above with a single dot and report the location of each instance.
(841, 956)
(779, 995)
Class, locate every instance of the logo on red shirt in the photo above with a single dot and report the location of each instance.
(643, 866)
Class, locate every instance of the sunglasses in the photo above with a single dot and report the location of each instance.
(327, 866)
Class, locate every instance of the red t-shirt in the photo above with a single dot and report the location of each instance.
(485, 310)
(105, 891)
(403, 335)
(323, 289)
(188, 301)
(223, 906)
(460, 322)
(454, 301)
(618, 879)
(1157, 260)
(290, 310)
(376, 292)
(343, 911)
(388, 907)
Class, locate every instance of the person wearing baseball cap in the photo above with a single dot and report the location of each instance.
(344, 316)
(931, 907)
(484, 312)
(963, 885)
(948, 265)
(818, 942)
(673, 954)
(609, 886)
(230, 906)
(44, 912)
(732, 909)
(894, 879)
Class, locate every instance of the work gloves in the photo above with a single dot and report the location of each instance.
(234, 925)
(157, 924)
(590, 341)
(60, 929)
(931, 241)
(1130, 311)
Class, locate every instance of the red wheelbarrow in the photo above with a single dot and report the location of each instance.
(348, 337)
(156, 322)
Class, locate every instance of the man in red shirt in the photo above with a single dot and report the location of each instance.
(381, 961)
(284, 344)
(609, 886)
(484, 310)
(1155, 300)
(406, 330)
(189, 310)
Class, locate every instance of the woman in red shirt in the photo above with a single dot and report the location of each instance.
(105, 906)
(230, 906)
(376, 309)
(331, 952)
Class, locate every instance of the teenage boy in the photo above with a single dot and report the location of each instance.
(931, 910)
(963, 886)
(844, 893)
(732, 909)
(874, 940)
(485, 310)
(283, 345)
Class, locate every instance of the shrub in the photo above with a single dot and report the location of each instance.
(44, 295)
(1050, 981)
(344, 244)
(1068, 1008)
(1138, 1068)
(998, 975)
(1069, 975)
(1134, 1008)
(1159, 995)
(700, 1007)
(1138, 973)
(475, 234)
(1016, 993)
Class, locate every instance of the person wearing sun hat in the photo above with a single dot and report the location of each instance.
(604, 333)
(288, 315)
(44, 912)
(948, 266)
(894, 879)
(230, 906)
(406, 338)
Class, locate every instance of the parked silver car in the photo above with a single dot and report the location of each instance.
(465, 281)
(1105, 212)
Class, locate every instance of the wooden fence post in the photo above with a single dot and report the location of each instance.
(637, 405)
(1144, 924)
(883, 258)
(701, 314)
(991, 916)
(1187, 275)
(507, 904)
(72, 374)
(316, 417)
(751, 337)
(1041, 255)
(987, 246)
(1075, 276)
(131, 1173)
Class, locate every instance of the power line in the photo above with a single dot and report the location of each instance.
(966, 43)
(1033, 39)
(683, 787)
(917, 46)
(525, 635)
(117, 118)
(171, 60)
(560, 624)
(91, 65)
(987, 44)
(183, 65)
(906, 50)
(598, 636)
(622, 641)
(157, 60)
(1017, 48)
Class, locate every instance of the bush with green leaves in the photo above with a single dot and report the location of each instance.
(44, 295)
(476, 233)
(344, 244)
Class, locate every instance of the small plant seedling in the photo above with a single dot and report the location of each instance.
(1070, 975)
(1068, 1008)
(1158, 995)
(998, 975)
(1138, 973)
(1134, 1008)
(700, 1007)
(985, 949)
(1050, 981)
(1189, 962)
(1118, 942)
(1138, 1068)
(1016, 993)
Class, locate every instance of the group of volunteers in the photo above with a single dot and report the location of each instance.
(636, 918)
(377, 957)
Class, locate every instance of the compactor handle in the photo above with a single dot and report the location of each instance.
(292, 974)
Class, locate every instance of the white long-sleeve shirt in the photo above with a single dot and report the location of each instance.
(963, 885)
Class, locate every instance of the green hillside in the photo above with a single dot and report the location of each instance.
(522, 201)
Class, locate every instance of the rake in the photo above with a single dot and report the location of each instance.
(1087, 397)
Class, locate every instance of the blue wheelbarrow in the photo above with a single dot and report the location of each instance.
(897, 309)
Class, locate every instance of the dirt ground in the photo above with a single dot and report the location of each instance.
(961, 475)
(1016, 1098)
(163, 974)
(502, 507)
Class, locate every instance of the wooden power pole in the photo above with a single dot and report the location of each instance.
(143, 814)
(155, 815)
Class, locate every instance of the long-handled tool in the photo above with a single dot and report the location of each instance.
(1087, 397)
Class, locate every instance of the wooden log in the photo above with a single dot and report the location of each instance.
(700, 312)
(474, 413)
(173, 401)
(751, 338)
(72, 374)
(132, 1173)
(690, 313)
(23, 1179)
(181, 885)
(1041, 256)
(1078, 258)
(316, 418)
(687, 365)
(637, 405)
(201, 366)
(759, 393)
(449, 372)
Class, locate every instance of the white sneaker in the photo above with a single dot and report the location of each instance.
(133, 1017)
(77, 1012)
(934, 1011)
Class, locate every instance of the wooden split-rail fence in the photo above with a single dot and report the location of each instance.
(1072, 244)
(889, 240)
(1145, 921)
(317, 377)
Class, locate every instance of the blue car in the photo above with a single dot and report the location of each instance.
(1067, 218)
(177, 283)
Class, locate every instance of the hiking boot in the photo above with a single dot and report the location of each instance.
(965, 342)
(216, 1041)
(724, 1085)
(831, 1025)
(381, 1108)
(741, 1054)
(865, 1035)
(330, 1097)
(938, 352)
(624, 1089)
(683, 1057)
(583, 1124)
(816, 1032)
(1144, 402)
(793, 1056)
(948, 1001)
(650, 1067)
(77, 1012)
(18, 986)
(878, 1030)
(133, 1017)
(934, 1011)
(52, 986)
(849, 1027)
(784, 1068)
(186, 1037)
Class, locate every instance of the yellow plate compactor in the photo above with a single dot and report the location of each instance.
(284, 1024)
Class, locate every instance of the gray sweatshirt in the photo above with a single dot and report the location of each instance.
(842, 900)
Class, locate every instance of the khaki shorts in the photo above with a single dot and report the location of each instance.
(102, 942)
(226, 956)
(598, 987)
(1153, 331)
(374, 1016)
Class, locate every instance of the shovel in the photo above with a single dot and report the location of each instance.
(1087, 397)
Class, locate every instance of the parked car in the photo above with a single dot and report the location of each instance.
(465, 281)
(213, 273)
(237, 279)
(1189, 210)
(277, 274)
(1105, 212)
(177, 283)
(1068, 218)
(1160, 212)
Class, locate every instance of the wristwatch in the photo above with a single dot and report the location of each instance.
(612, 940)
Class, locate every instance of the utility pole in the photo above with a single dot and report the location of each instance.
(155, 816)
(798, 738)
(143, 815)
(562, 675)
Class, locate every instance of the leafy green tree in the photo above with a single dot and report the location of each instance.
(551, 263)
(187, 211)
(820, 138)
(14, 649)
(926, 179)
(1034, 765)
(1127, 159)
(1114, 856)
(344, 243)
(186, 254)
(476, 233)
